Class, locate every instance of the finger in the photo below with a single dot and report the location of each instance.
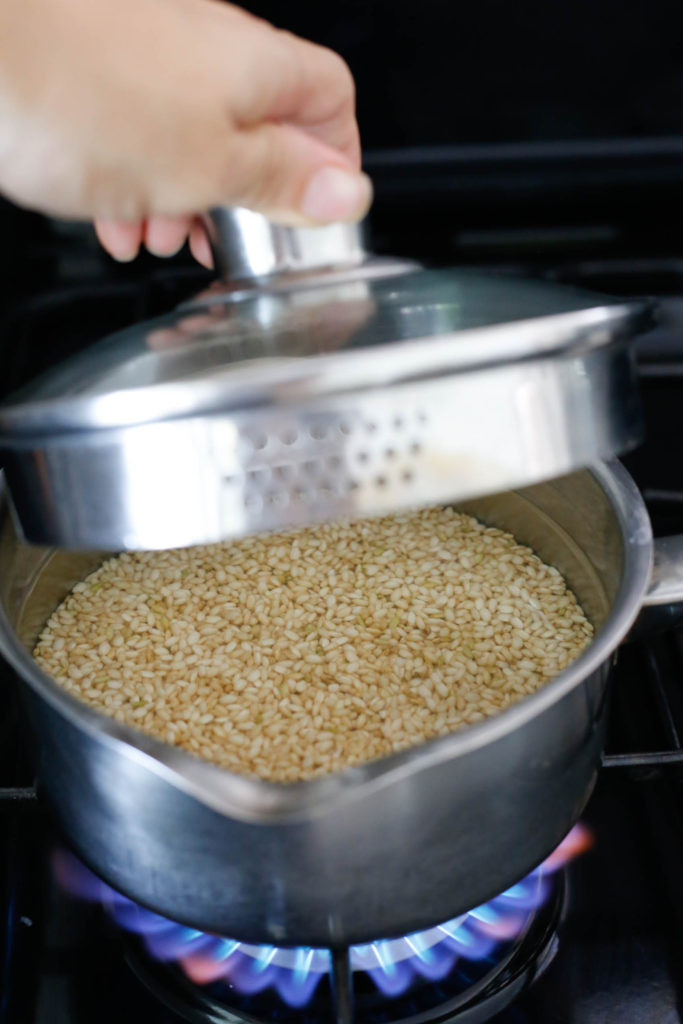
(165, 236)
(324, 102)
(294, 178)
(120, 238)
(304, 85)
(187, 330)
(199, 245)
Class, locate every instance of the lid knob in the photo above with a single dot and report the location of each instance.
(247, 245)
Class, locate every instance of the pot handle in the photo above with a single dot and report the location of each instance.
(246, 245)
(662, 606)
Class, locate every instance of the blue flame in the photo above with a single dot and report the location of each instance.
(393, 964)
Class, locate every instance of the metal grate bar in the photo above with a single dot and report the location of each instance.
(654, 672)
(17, 794)
(650, 704)
(653, 759)
(653, 494)
(662, 700)
(342, 987)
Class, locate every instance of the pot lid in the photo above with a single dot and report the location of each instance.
(319, 384)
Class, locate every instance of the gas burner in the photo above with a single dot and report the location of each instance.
(465, 969)
(471, 992)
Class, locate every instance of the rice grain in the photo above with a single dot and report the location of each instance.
(291, 655)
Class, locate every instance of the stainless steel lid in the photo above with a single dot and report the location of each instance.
(319, 384)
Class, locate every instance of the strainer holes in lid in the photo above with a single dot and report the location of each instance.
(311, 467)
(258, 475)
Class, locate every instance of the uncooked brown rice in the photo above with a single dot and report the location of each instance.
(290, 655)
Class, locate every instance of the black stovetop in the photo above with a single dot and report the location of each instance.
(619, 955)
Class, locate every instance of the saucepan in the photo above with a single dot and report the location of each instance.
(380, 849)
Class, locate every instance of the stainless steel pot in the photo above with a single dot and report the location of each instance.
(376, 850)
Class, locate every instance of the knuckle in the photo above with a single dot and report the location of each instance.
(254, 182)
(328, 63)
(286, 37)
(340, 72)
(341, 68)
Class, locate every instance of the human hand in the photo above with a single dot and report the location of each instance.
(141, 113)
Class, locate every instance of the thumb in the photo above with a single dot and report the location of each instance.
(294, 178)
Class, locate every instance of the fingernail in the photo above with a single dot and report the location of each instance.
(200, 248)
(334, 194)
(165, 236)
(122, 249)
(160, 247)
(120, 238)
(126, 256)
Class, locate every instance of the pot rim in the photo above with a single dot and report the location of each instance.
(262, 802)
